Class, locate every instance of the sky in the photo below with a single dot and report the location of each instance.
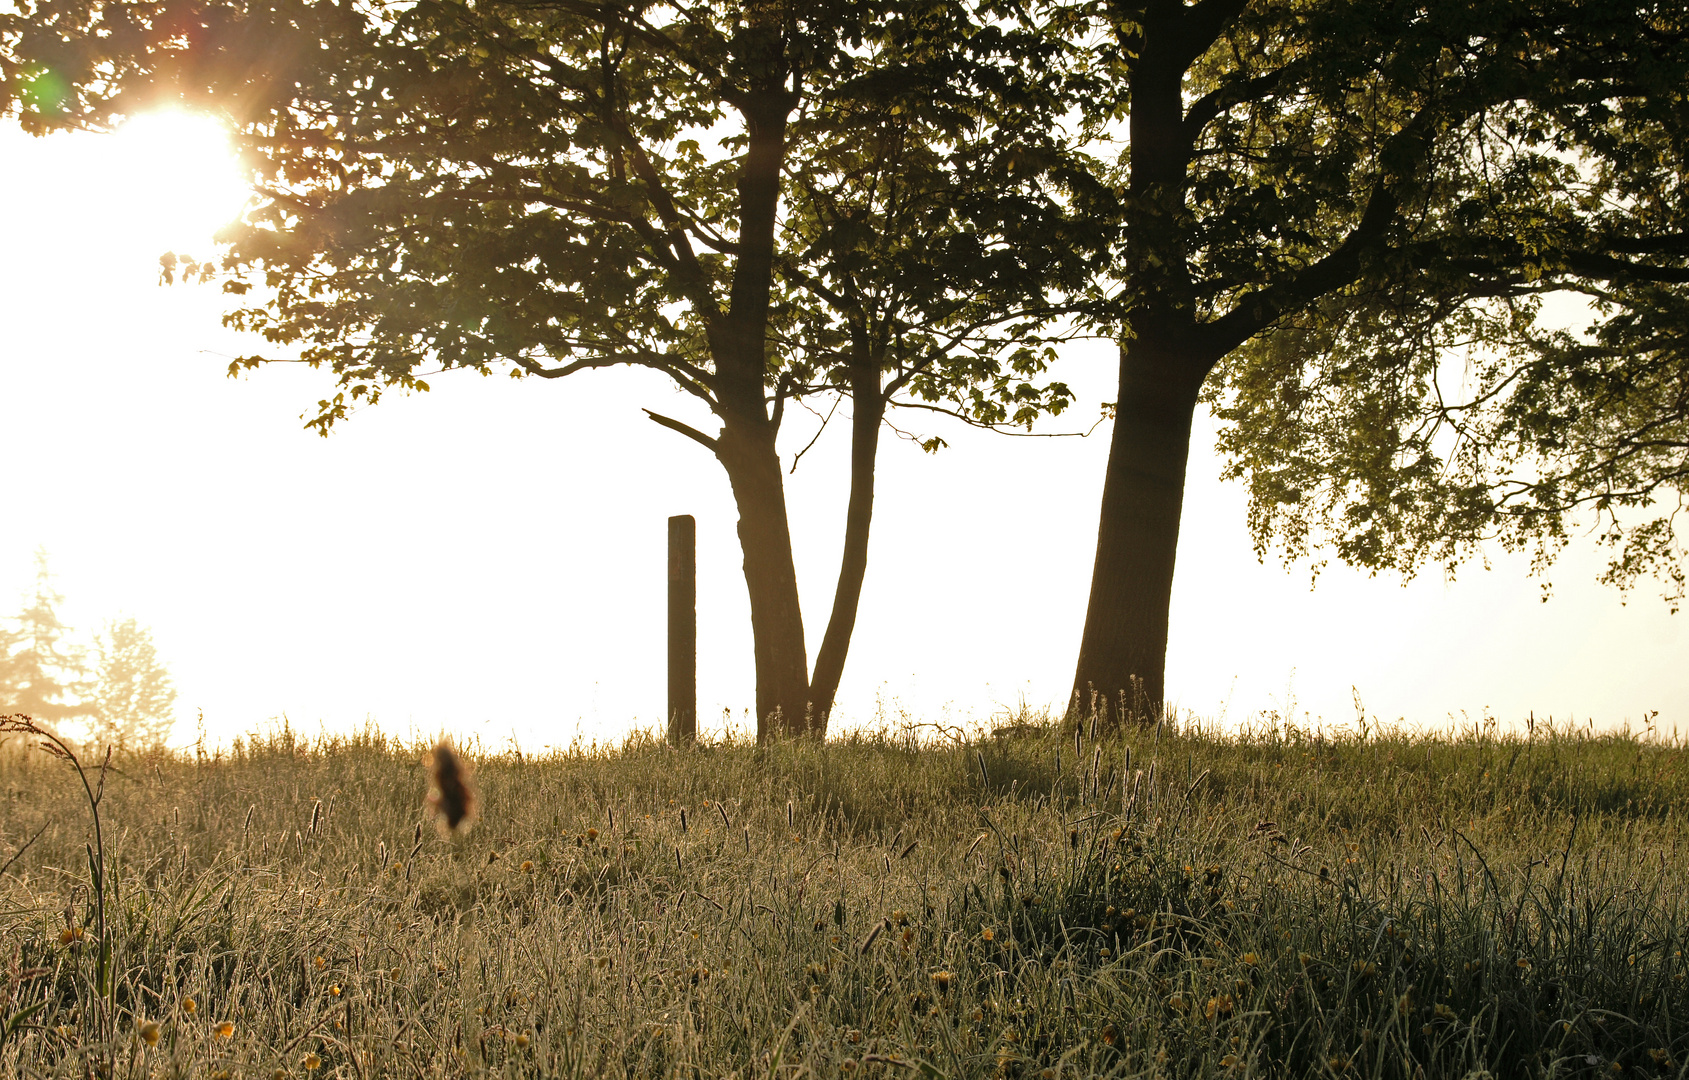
(487, 559)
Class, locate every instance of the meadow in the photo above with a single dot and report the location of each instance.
(1032, 902)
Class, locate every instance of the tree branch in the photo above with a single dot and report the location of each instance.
(685, 429)
(1263, 307)
(1667, 244)
(1200, 26)
(674, 225)
(825, 420)
(1204, 110)
(1598, 265)
(636, 26)
(782, 389)
(837, 302)
(693, 380)
(998, 428)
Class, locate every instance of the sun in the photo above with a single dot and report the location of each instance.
(179, 178)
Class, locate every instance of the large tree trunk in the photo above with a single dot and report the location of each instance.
(765, 539)
(869, 404)
(1124, 647)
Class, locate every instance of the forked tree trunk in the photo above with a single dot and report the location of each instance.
(869, 405)
(765, 539)
(1124, 647)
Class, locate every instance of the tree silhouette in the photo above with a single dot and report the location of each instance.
(761, 201)
(41, 674)
(1339, 221)
(132, 694)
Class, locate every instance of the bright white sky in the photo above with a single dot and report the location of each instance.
(488, 558)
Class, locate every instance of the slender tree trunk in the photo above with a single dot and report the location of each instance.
(869, 404)
(746, 446)
(1124, 647)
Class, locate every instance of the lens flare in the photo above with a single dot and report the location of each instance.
(180, 173)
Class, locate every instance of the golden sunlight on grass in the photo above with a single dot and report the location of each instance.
(1284, 903)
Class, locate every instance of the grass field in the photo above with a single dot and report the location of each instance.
(1027, 904)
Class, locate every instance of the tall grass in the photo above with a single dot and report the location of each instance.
(1034, 903)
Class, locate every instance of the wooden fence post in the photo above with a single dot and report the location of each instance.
(683, 630)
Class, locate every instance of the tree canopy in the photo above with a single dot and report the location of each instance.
(761, 201)
(1339, 224)
(1347, 226)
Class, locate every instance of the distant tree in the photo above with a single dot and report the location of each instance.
(1339, 222)
(41, 674)
(11, 642)
(541, 188)
(133, 696)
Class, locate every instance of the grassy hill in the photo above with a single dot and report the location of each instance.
(1029, 904)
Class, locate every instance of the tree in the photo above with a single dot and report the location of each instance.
(132, 697)
(532, 185)
(41, 674)
(1327, 209)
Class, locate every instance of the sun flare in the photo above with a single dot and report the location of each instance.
(181, 179)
